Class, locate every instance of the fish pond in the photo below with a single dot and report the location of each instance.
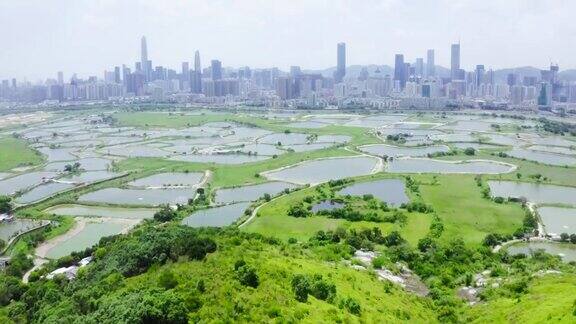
(145, 197)
(558, 220)
(436, 166)
(217, 216)
(87, 237)
(318, 171)
(390, 191)
(566, 251)
(533, 192)
(101, 211)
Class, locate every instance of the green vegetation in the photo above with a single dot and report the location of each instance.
(557, 127)
(290, 264)
(275, 218)
(164, 275)
(463, 210)
(458, 200)
(14, 152)
(5, 204)
(165, 214)
(550, 299)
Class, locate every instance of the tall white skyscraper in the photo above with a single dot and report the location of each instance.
(145, 64)
(455, 61)
(430, 65)
(143, 52)
(340, 63)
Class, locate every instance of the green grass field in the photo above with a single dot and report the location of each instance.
(273, 220)
(15, 152)
(465, 213)
(455, 198)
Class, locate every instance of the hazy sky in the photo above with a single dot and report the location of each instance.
(40, 37)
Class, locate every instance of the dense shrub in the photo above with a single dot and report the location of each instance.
(298, 211)
(316, 285)
(165, 214)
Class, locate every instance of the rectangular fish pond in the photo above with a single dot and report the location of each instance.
(390, 191)
(101, 211)
(216, 216)
(318, 171)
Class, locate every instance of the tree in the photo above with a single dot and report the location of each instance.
(239, 264)
(499, 200)
(301, 287)
(201, 286)
(351, 305)
(564, 237)
(492, 239)
(469, 151)
(5, 204)
(142, 306)
(247, 276)
(393, 239)
(11, 288)
(72, 167)
(573, 238)
(298, 211)
(167, 280)
(165, 214)
(425, 244)
(322, 289)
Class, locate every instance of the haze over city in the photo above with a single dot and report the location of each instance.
(87, 37)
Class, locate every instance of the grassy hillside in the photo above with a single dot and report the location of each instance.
(227, 299)
(174, 274)
(549, 299)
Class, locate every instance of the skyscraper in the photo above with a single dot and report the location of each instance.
(117, 77)
(430, 65)
(216, 70)
(285, 88)
(60, 78)
(145, 63)
(341, 63)
(399, 73)
(419, 67)
(143, 52)
(479, 77)
(196, 75)
(185, 68)
(197, 66)
(455, 61)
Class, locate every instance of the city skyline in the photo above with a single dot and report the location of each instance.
(98, 45)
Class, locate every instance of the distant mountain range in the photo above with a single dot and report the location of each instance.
(499, 75)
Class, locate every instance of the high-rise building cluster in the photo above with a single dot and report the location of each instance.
(417, 83)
